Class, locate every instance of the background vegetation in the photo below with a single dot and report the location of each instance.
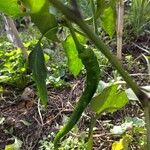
(54, 75)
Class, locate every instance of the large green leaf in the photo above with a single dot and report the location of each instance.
(108, 21)
(106, 10)
(46, 22)
(110, 99)
(35, 6)
(37, 65)
(101, 6)
(10, 7)
(74, 62)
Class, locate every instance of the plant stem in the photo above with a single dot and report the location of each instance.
(90, 134)
(69, 13)
(92, 125)
(147, 120)
(94, 16)
(120, 15)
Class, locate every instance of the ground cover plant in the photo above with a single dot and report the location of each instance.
(94, 88)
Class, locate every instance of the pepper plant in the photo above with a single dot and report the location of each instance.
(48, 16)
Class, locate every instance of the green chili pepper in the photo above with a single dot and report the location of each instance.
(91, 65)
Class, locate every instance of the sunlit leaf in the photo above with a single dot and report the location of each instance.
(108, 21)
(107, 13)
(74, 62)
(101, 6)
(122, 144)
(46, 22)
(110, 99)
(37, 65)
(118, 145)
(4, 78)
(35, 5)
(10, 7)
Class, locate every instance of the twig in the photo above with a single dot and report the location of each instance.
(37, 121)
(58, 114)
(139, 74)
(141, 48)
(70, 95)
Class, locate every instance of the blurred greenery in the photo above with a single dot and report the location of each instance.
(13, 68)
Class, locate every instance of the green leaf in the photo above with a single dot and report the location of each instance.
(108, 21)
(4, 78)
(101, 6)
(110, 99)
(74, 62)
(46, 22)
(35, 6)
(106, 10)
(37, 65)
(135, 121)
(10, 7)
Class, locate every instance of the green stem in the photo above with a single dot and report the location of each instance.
(147, 120)
(69, 13)
(92, 125)
(94, 16)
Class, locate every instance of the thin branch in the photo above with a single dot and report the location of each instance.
(39, 111)
(12, 31)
